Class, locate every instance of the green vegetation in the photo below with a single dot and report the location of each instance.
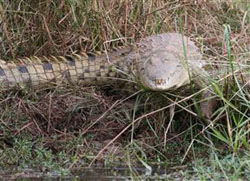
(64, 127)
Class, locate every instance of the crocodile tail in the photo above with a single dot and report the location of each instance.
(37, 70)
(90, 69)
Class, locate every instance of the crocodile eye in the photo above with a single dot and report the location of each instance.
(165, 59)
(150, 40)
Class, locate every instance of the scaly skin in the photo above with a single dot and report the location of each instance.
(160, 62)
(89, 69)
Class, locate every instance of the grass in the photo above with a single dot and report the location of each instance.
(61, 128)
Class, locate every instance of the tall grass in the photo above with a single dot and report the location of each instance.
(79, 126)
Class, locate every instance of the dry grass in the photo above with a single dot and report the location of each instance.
(47, 27)
(66, 116)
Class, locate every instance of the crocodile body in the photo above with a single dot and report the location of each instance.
(158, 62)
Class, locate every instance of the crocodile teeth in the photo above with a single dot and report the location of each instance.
(160, 81)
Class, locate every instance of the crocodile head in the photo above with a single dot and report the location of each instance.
(159, 72)
(164, 63)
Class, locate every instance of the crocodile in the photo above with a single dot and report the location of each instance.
(159, 62)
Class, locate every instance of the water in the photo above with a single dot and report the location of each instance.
(93, 174)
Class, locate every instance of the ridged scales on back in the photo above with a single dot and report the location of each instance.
(90, 69)
(158, 62)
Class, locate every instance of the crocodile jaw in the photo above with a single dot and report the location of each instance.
(163, 84)
(166, 80)
(162, 71)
